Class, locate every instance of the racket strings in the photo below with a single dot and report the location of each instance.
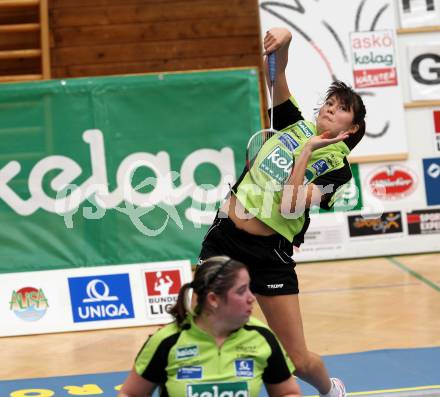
(257, 142)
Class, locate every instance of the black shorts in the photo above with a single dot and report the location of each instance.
(268, 258)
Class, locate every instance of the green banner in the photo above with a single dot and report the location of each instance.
(117, 170)
(348, 197)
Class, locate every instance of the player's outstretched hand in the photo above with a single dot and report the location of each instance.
(320, 141)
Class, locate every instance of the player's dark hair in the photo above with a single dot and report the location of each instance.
(352, 100)
(216, 274)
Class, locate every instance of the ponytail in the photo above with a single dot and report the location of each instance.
(179, 311)
(216, 274)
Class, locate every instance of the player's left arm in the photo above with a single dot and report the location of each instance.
(297, 196)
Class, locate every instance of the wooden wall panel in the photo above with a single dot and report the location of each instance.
(103, 37)
(24, 37)
(18, 15)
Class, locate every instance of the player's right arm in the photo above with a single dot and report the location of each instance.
(137, 386)
(278, 40)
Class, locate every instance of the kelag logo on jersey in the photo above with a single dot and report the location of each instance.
(277, 164)
(304, 129)
(224, 389)
(103, 297)
(244, 368)
(187, 352)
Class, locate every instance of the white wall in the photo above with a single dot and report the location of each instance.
(329, 235)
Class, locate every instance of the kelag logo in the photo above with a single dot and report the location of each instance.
(103, 297)
(277, 164)
(230, 389)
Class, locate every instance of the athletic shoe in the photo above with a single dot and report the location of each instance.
(339, 386)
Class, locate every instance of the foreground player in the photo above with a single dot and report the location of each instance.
(218, 351)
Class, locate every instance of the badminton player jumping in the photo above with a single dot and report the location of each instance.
(259, 227)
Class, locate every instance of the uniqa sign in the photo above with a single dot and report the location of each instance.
(95, 188)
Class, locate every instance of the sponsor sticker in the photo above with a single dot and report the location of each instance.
(187, 352)
(373, 59)
(436, 116)
(224, 389)
(102, 297)
(320, 166)
(423, 221)
(289, 142)
(244, 368)
(431, 171)
(193, 372)
(386, 223)
(392, 182)
(162, 288)
(29, 303)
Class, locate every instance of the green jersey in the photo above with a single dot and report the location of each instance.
(275, 162)
(186, 361)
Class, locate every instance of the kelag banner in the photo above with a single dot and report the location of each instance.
(118, 170)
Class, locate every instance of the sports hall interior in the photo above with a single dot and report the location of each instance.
(351, 307)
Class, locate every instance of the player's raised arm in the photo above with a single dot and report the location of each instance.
(278, 40)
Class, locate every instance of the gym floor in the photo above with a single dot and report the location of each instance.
(376, 308)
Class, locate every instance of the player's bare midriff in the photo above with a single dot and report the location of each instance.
(243, 219)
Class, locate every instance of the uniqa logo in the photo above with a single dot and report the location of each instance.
(103, 295)
(95, 188)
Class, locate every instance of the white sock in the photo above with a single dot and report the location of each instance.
(332, 392)
(337, 389)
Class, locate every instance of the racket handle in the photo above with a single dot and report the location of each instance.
(271, 59)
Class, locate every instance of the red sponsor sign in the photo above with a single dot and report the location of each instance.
(375, 77)
(163, 282)
(392, 182)
(436, 114)
(413, 218)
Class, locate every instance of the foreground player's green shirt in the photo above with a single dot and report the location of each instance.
(274, 162)
(187, 362)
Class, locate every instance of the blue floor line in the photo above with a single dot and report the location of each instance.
(383, 369)
(369, 372)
